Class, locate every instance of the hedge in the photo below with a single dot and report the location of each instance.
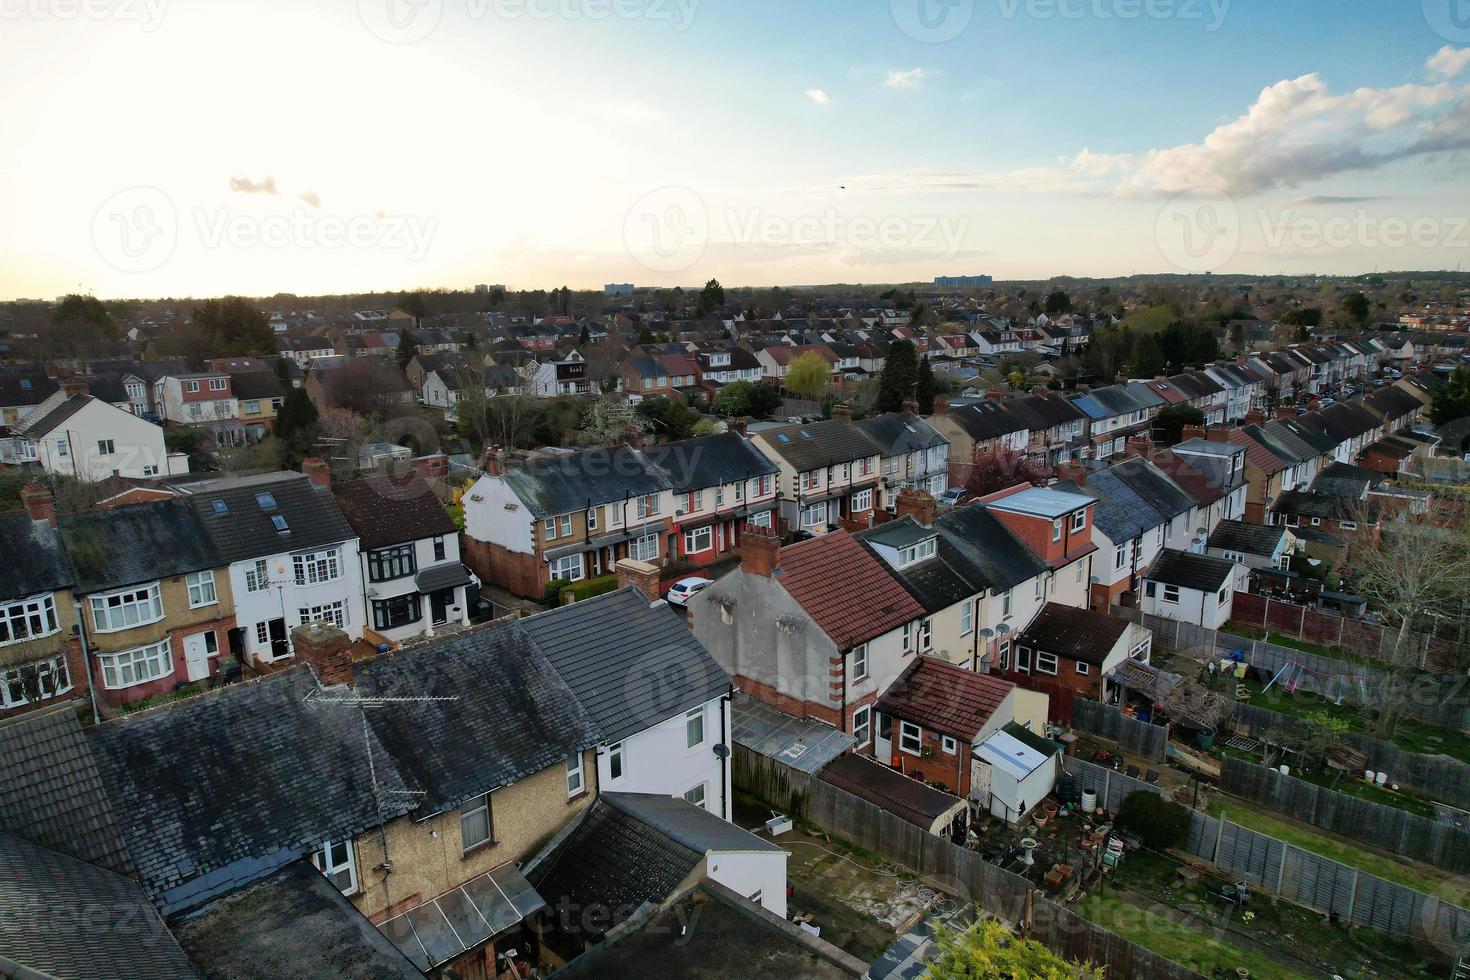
(601, 585)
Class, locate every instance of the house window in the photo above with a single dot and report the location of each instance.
(191, 386)
(1171, 593)
(1005, 605)
(250, 407)
(862, 500)
(40, 680)
(948, 745)
(1003, 655)
(644, 548)
(331, 612)
(257, 576)
(565, 525)
(150, 471)
(694, 728)
(763, 519)
(967, 617)
(910, 738)
(440, 551)
(315, 567)
(696, 795)
(699, 539)
(201, 589)
(1046, 663)
(27, 620)
(1056, 529)
(474, 823)
(1079, 521)
(1224, 595)
(616, 761)
(862, 725)
(926, 634)
(917, 552)
(1150, 589)
(591, 525)
(217, 384)
(693, 501)
(105, 447)
(548, 529)
(814, 516)
(647, 506)
(397, 612)
(575, 782)
(763, 486)
(1347, 525)
(126, 609)
(860, 662)
(336, 860)
(1120, 557)
(567, 567)
(1083, 668)
(137, 666)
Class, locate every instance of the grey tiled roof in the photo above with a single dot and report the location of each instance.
(126, 545)
(38, 426)
(219, 790)
(562, 483)
(897, 433)
(629, 665)
(1120, 513)
(244, 530)
(1248, 539)
(989, 551)
(66, 918)
(814, 445)
(696, 464)
(52, 791)
(1189, 570)
(511, 714)
(691, 826)
(34, 559)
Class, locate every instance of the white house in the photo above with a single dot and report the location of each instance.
(74, 434)
(293, 556)
(1191, 588)
(659, 700)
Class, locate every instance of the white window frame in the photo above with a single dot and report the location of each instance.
(862, 500)
(1046, 663)
(54, 672)
(694, 536)
(1165, 594)
(1007, 604)
(926, 634)
(617, 762)
(698, 794)
(472, 810)
(859, 657)
(1079, 521)
(105, 616)
(862, 725)
(592, 519)
(576, 779)
(948, 744)
(1023, 660)
(814, 515)
(568, 567)
(763, 519)
(322, 859)
(106, 447)
(1083, 669)
(694, 733)
(644, 548)
(202, 590)
(36, 616)
(329, 612)
(967, 617)
(908, 730)
(1056, 530)
(258, 576)
(316, 567)
(155, 660)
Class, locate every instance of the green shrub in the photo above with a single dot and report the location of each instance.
(551, 595)
(600, 585)
(1158, 822)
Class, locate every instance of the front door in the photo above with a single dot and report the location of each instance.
(439, 603)
(280, 645)
(197, 651)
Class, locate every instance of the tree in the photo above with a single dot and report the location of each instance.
(413, 305)
(1317, 739)
(1172, 419)
(1416, 573)
(747, 398)
(1356, 308)
(668, 418)
(988, 951)
(711, 298)
(283, 372)
(900, 375)
(1147, 360)
(994, 471)
(922, 314)
(608, 418)
(808, 374)
(363, 385)
(296, 422)
(1452, 400)
(926, 388)
(232, 326)
(1057, 303)
(1158, 822)
(408, 348)
(78, 325)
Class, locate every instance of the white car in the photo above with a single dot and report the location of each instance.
(686, 588)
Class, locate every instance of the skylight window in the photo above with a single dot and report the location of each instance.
(278, 521)
(219, 506)
(266, 501)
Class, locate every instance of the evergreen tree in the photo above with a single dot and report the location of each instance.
(408, 346)
(900, 375)
(925, 391)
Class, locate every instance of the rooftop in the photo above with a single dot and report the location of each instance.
(846, 590)
(945, 698)
(1041, 502)
(1077, 634)
(1190, 571)
(915, 801)
(804, 744)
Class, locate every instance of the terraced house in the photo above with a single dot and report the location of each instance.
(41, 660)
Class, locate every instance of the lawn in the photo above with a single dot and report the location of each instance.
(1416, 876)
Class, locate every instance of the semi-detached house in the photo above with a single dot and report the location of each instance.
(74, 434)
(41, 660)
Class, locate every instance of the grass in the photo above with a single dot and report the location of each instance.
(1418, 877)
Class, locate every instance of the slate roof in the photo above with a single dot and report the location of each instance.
(38, 425)
(917, 802)
(1113, 400)
(989, 550)
(386, 510)
(945, 698)
(294, 923)
(65, 918)
(1120, 512)
(123, 546)
(216, 791)
(847, 591)
(709, 461)
(25, 389)
(986, 420)
(1345, 480)
(897, 433)
(1248, 539)
(511, 714)
(1190, 571)
(34, 559)
(1077, 634)
(1154, 486)
(1044, 411)
(630, 666)
(1312, 503)
(257, 385)
(815, 445)
(52, 792)
(243, 530)
(935, 583)
(565, 482)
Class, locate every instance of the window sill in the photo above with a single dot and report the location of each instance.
(582, 794)
(475, 851)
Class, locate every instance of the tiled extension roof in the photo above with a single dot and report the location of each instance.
(945, 698)
(846, 590)
(1077, 634)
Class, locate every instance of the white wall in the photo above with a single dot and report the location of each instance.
(658, 760)
(746, 872)
(423, 552)
(72, 449)
(487, 519)
(252, 608)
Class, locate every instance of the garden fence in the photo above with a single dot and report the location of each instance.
(1435, 653)
(1133, 736)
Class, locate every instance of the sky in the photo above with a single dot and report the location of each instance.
(204, 147)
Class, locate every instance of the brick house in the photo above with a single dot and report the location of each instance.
(720, 483)
(830, 472)
(41, 662)
(1077, 649)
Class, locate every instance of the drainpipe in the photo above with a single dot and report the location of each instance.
(726, 706)
(87, 661)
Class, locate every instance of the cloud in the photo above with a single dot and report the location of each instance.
(1448, 62)
(819, 96)
(244, 185)
(913, 78)
(311, 197)
(1321, 199)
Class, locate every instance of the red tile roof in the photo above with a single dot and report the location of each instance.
(944, 698)
(1256, 454)
(848, 593)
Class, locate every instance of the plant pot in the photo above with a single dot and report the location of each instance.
(1049, 809)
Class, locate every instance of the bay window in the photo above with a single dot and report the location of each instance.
(126, 608)
(644, 548)
(387, 564)
(40, 680)
(697, 540)
(567, 567)
(140, 665)
(27, 620)
(399, 611)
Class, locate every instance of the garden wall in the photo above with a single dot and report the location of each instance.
(1133, 736)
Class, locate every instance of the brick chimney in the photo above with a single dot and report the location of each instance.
(738, 426)
(842, 410)
(39, 503)
(1254, 417)
(318, 471)
(327, 649)
(1075, 472)
(1140, 446)
(1218, 434)
(760, 550)
(1285, 413)
(909, 405)
(1040, 390)
(631, 438)
(941, 405)
(1192, 432)
(494, 462)
(76, 386)
(917, 503)
(641, 575)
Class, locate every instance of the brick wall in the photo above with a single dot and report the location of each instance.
(525, 575)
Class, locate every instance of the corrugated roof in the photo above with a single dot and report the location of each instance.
(916, 802)
(804, 744)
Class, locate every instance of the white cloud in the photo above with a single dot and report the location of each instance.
(912, 78)
(819, 96)
(1448, 62)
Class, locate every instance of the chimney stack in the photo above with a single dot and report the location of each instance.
(1140, 446)
(760, 550)
(843, 410)
(739, 426)
(941, 405)
(76, 386)
(1218, 434)
(909, 405)
(1075, 472)
(1192, 432)
(39, 503)
(318, 471)
(641, 575)
(917, 503)
(1254, 417)
(494, 463)
(327, 649)
(632, 438)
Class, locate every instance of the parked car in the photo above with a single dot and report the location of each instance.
(686, 589)
(951, 497)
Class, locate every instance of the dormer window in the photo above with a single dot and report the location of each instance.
(1079, 521)
(917, 552)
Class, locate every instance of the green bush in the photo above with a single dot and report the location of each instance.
(1158, 822)
(551, 595)
(600, 585)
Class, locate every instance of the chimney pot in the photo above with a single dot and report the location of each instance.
(327, 649)
(318, 471)
(494, 463)
(39, 503)
(760, 550)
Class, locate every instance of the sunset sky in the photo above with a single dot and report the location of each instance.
(196, 147)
